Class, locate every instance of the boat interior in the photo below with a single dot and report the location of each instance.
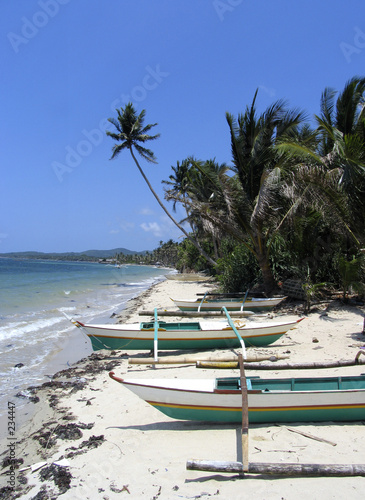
(293, 384)
(163, 325)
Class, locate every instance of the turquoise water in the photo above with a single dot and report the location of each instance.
(34, 294)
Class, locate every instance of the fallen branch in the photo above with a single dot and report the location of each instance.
(310, 436)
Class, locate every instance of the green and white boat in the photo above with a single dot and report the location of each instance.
(216, 303)
(225, 334)
(339, 399)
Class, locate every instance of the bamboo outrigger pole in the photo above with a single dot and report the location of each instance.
(189, 360)
(233, 326)
(233, 363)
(196, 314)
(280, 469)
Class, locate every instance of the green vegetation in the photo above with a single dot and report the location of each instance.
(291, 205)
(165, 255)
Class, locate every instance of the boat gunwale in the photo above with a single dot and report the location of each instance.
(254, 326)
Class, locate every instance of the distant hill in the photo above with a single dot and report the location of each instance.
(92, 254)
(103, 254)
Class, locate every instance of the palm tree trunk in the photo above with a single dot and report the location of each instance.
(267, 276)
(194, 242)
(215, 245)
(262, 255)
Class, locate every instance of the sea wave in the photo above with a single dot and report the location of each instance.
(20, 328)
(32, 325)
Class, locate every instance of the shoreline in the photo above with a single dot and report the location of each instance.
(114, 443)
(52, 343)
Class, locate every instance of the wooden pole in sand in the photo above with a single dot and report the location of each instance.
(244, 433)
(155, 338)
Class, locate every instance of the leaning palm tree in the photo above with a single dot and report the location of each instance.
(131, 132)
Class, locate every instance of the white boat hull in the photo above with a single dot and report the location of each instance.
(208, 335)
(196, 399)
(252, 304)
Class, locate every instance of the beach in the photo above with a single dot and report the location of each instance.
(96, 439)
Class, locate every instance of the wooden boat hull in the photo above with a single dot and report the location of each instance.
(234, 304)
(342, 399)
(197, 335)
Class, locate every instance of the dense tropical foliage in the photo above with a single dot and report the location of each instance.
(289, 206)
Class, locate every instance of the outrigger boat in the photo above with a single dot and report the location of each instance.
(232, 302)
(269, 400)
(184, 335)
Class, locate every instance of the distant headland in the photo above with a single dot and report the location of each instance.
(87, 255)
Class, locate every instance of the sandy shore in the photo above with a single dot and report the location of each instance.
(111, 444)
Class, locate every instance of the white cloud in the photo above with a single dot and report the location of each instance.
(152, 227)
(146, 211)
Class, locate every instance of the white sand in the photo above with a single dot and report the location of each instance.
(144, 454)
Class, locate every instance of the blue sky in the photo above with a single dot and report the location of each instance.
(67, 64)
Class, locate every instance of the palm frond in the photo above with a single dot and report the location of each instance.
(132, 132)
(117, 148)
(147, 154)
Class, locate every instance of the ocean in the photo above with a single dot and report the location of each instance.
(34, 294)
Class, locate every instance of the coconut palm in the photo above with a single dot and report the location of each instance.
(131, 134)
(329, 179)
(341, 128)
(248, 205)
(193, 185)
(178, 182)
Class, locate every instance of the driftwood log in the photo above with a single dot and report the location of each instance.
(273, 469)
(187, 360)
